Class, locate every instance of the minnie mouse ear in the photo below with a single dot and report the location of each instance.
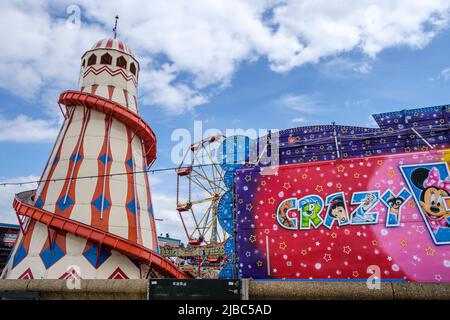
(418, 176)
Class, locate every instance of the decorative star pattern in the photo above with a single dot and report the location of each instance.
(342, 252)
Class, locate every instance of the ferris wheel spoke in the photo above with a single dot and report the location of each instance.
(210, 182)
(201, 201)
(213, 171)
(206, 218)
(205, 176)
(195, 221)
(199, 184)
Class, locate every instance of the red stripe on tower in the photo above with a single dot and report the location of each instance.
(109, 44)
(149, 204)
(110, 91)
(43, 195)
(121, 48)
(94, 88)
(101, 200)
(125, 93)
(131, 201)
(135, 104)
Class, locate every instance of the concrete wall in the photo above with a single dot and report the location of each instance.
(344, 290)
(87, 289)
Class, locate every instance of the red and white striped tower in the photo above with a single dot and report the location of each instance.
(101, 227)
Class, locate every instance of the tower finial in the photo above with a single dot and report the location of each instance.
(115, 27)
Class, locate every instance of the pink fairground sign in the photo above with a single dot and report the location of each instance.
(346, 219)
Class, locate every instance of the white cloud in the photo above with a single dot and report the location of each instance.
(299, 120)
(344, 67)
(191, 50)
(26, 129)
(444, 75)
(7, 214)
(302, 102)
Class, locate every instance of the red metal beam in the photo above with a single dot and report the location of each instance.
(116, 110)
(127, 247)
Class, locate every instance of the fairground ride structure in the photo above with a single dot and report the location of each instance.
(99, 228)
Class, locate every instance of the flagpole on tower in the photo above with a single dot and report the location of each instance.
(115, 27)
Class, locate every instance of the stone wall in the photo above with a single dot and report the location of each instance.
(345, 290)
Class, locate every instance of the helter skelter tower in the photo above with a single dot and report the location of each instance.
(100, 227)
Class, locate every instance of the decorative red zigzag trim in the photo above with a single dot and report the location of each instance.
(112, 73)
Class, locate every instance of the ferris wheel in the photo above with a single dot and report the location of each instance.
(200, 186)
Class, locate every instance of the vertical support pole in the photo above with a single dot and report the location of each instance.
(267, 255)
(336, 142)
(423, 139)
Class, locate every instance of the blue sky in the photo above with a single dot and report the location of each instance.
(257, 80)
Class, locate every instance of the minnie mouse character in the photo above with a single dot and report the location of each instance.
(433, 192)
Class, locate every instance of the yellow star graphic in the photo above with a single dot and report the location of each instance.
(319, 188)
(374, 242)
(339, 185)
(356, 175)
(391, 173)
(380, 162)
(259, 263)
(430, 251)
(286, 185)
(283, 245)
(355, 273)
(252, 238)
(340, 168)
(271, 200)
(334, 235)
(303, 252)
(404, 243)
(304, 176)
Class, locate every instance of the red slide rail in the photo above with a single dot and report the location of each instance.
(127, 117)
(22, 205)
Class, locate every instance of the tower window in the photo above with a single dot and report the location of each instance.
(92, 60)
(133, 68)
(106, 59)
(121, 62)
